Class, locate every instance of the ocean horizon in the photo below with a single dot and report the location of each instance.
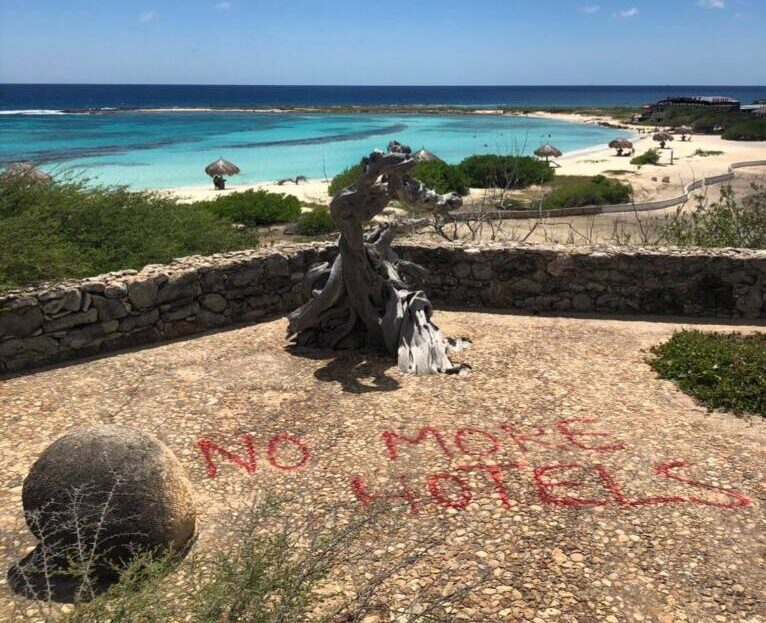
(143, 150)
(58, 97)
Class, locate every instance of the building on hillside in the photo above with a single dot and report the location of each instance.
(725, 104)
(755, 109)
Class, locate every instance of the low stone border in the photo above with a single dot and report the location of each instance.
(123, 309)
(660, 204)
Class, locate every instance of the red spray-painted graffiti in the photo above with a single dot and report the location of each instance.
(274, 447)
(570, 484)
(450, 490)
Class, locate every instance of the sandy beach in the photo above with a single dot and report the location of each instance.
(686, 166)
(647, 181)
(310, 191)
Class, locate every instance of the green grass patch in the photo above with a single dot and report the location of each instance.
(721, 370)
(67, 230)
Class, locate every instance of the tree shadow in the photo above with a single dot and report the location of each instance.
(356, 372)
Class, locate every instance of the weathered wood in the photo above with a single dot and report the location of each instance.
(369, 297)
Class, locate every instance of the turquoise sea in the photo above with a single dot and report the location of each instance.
(170, 149)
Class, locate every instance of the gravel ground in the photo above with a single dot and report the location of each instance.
(583, 487)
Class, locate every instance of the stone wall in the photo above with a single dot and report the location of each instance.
(725, 283)
(195, 294)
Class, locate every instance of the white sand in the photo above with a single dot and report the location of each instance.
(311, 191)
(686, 166)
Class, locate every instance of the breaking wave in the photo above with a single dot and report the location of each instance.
(32, 111)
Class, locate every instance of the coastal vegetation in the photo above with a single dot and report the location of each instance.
(442, 177)
(731, 221)
(732, 125)
(316, 222)
(705, 153)
(510, 172)
(650, 156)
(345, 178)
(485, 171)
(253, 208)
(66, 230)
(721, 370)
(438, 176)
(597, 190)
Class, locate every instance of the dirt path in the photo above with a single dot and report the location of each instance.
(587, 488)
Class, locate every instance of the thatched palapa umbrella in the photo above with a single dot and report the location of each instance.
(662, 138)
(683, 131)
(423, 155)
(218, 169)
(547, 151)
(620, 144)
(27, 172)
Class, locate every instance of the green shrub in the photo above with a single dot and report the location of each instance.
(728, 222)
(438, 176)
(345, 178)
(651, 156)
(442, 177)
(254, 207)
(702, 153)
(492, 171)
(746, 130)
(315, 223)
(734, 125)
(596, 191)
(65, 230)
(721, 370)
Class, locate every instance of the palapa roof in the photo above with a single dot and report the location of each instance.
(27, 171)
(663, 136)
(221, 167)
(620, 143)
(423, 155)
(547, 150)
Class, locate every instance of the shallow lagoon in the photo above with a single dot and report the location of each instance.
(163, 150)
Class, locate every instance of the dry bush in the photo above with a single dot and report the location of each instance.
(271, 566)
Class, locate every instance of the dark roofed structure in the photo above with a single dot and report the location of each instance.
(710, 102)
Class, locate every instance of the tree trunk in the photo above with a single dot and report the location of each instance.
(368, 296)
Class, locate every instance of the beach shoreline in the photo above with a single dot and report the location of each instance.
(647, 181)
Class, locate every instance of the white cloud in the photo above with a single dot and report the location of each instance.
(711, 4)
(223, 6)
(148, 16)
(590, 9)
(632, 12)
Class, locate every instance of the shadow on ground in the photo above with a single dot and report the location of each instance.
(356, 372)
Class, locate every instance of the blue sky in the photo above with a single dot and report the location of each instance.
(374, 42)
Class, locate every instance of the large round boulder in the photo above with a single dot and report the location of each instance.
(95, 499)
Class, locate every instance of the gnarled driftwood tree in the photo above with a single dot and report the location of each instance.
(368, 296)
